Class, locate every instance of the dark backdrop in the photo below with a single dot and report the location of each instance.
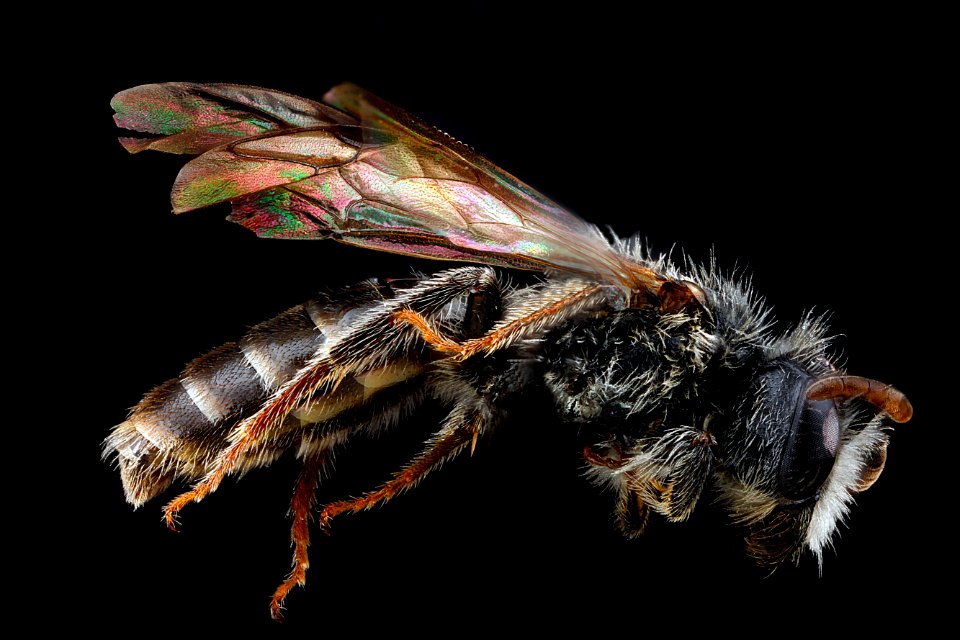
(796, 147)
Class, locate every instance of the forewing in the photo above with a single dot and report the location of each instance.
(184, 117)
(499, 211)
(365, 173)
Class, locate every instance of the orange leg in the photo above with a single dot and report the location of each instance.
(303, 497)
(426, 331)
(248, 432)
(445, 445)
(498, 338)
(615, 460)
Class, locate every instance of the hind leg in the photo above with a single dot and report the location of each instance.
(300, 507)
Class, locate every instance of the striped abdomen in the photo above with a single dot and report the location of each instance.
(179, 427)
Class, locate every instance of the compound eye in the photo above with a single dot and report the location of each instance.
(811, 450)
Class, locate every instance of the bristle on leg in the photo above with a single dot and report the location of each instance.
(300, 506)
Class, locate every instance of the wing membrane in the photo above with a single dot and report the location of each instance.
(361, 171)
(192, 118)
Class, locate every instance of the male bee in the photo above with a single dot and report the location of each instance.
(672, 374)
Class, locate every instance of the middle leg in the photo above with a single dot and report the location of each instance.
(460, 429)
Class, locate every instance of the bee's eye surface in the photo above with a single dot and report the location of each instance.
(810, 451)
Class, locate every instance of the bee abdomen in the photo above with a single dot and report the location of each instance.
(231, 379)
(180, 426)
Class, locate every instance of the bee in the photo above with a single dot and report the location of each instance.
(671, 373)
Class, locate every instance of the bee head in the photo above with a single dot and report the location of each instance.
(806, 440)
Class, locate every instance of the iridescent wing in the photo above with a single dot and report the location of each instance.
(363, 172)
(182, 117)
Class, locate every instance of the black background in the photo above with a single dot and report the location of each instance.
(800, 148)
